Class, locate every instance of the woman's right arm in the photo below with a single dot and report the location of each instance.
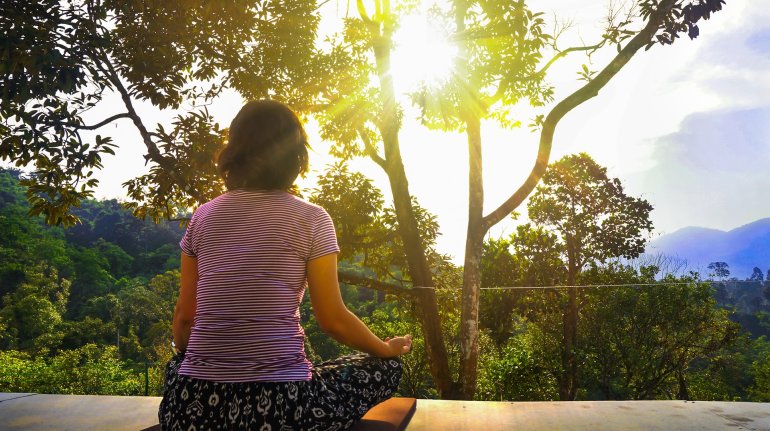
(335, 319)
(184, 312)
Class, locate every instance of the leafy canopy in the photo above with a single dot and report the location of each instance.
(590, 211)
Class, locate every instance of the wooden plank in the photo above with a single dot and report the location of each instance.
(590, 415)
(35, 412)
(44, 412)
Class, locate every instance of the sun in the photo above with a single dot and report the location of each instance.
(423, 52)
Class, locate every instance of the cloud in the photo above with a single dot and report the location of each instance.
(713, 172)
(732, 61)
(733, 141)
(711, 168)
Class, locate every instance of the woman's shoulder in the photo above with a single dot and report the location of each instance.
(265, 200)
(305, 208)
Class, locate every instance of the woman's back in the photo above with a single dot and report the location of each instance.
(252, 249)
(246, 259)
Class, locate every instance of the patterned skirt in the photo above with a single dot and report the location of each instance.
(339, 393)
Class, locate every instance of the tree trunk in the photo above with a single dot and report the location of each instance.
(683, 393)
(419, 269)
(568, 381)
(469, 323)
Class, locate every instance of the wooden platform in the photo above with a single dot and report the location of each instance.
(590, 416)
(90, 412)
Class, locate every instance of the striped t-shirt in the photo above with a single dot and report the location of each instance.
(252, 249)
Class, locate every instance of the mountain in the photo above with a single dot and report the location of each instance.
(743, 248)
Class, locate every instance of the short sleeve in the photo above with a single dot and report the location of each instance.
(324, 236)
(187, 243)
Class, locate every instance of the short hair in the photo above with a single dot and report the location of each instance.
(266, 149)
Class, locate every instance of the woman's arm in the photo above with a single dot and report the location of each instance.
(184, 313)
(335, 319)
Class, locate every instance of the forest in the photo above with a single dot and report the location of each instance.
(87, 310)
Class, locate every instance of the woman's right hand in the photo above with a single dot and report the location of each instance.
(399, 345)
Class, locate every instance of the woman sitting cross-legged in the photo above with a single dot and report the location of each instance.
(247, 256)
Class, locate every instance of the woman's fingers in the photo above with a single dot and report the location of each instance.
(399, 345)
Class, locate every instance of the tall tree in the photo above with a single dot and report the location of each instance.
(595, 221)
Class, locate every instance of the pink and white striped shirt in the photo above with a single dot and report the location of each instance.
(252, 249)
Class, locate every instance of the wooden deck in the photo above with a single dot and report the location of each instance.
(90, 412)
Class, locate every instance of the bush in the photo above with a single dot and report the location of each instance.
(90, 369)
(516, 373)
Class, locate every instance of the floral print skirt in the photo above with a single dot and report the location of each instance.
(339, 393)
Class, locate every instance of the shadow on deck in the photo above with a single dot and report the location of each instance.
(91, 412)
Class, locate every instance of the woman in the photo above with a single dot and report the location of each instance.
(246, 258)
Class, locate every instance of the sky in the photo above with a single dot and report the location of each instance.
(685, 126)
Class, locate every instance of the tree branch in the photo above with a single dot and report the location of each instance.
(372, 151)
(362, 12)
(584, 93)
(153, 153)
(561, 54)
(355, 279)
(92, 127)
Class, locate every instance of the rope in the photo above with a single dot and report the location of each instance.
(607, 285)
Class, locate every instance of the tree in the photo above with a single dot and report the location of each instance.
(64, 57)
(529, 257)
(756, 275)
(644, 340)
(596, 221)
(32, 314)
(268, 50)
(760, 390)
(719, 269)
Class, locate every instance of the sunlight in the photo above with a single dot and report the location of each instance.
(423, 52)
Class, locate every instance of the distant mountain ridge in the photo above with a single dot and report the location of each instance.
(743, 248)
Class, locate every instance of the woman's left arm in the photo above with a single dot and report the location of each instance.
(184, 313)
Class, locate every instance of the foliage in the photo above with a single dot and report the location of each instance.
(644, 340)
(720, 269)
(63, 58)
(595, 219)
(398, 319)
(366, 229)
(88, 370)
(31, 315)
(760, 390)
(517, 372)
(501, 46)
(529, 257)
(729, 374)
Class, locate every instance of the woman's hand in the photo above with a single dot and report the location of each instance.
(399, 345)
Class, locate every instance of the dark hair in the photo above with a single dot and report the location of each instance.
(266, 148)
